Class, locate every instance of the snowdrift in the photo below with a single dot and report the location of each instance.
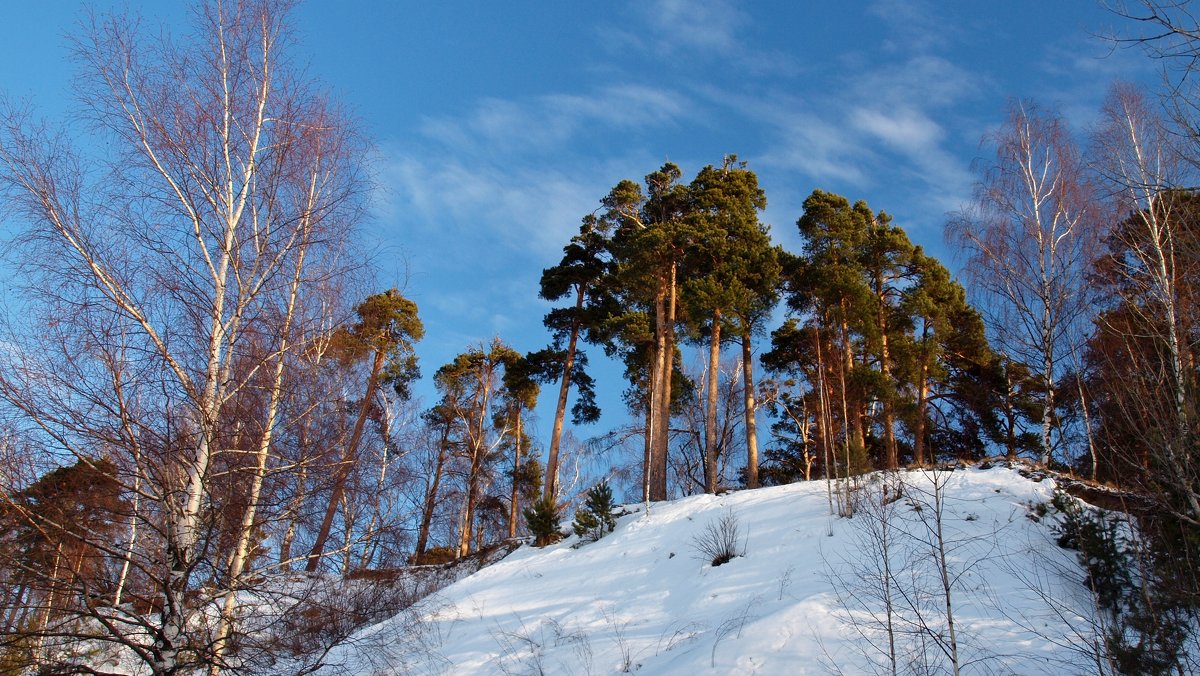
(808, 595)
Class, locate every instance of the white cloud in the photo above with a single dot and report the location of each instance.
(915, 136)
(906, 129)
(889, 135)
(510, 207)
(545, 122)
(913, 26)
(847, 136)
(507, 177)
(683, 24)
(682, 34)
(817, 147)
(924, 81)
(625, 106)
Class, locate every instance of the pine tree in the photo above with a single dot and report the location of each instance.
(883, 336)
(730, 274)
(887, 262)
(543, 519)
(650, 241)
(829, 284)
(584, 271)
(58, 533)
(386, 330)
(471, 386)
(947, 345)
(587, 524)
(595, 517)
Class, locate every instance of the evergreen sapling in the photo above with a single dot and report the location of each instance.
(595, 517)
(543, 519)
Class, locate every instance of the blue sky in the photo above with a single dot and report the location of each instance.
(499, 125)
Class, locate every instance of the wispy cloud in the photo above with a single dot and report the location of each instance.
(710, 26)
(816, 146)
(913, 26)
(906, 129)
(893, 134)
(507, 175)
(922, 80)
(680, 34)
(544, 122)
(913, 135)
(846, 134)
(493, 206)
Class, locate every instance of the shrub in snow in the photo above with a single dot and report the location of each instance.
(17, 656)
(543, 520)
(720, 541)
(435, 556)
(1147, 622)
(595, 517)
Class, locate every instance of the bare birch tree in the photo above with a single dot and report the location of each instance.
(1029, 237)
(226, 190)
(1136, 154)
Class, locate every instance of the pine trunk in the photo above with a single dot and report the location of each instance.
(658, 489)
(852, 410)
(657, 369)
(922, 399)
(560, 412)
(346, 464)
(431, 494)
(648, 452)
(711, 455)
(749, 409)
(825, 424)
(922, 411)
(516, 485)
(885, 368)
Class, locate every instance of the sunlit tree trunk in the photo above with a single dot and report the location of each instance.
(478, 449)
(432, 492)
(550, 488)
(263, 452)
(711, 450)
(749, 410)
(515, 498)
(348, 457)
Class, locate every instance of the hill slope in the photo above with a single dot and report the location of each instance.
(806, 597)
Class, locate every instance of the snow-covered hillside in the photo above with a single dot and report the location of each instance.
(805, 598)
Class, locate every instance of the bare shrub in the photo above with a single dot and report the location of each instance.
(900, 591)
(306, 617)
(434, 557)
(524, 651)
(721, 541)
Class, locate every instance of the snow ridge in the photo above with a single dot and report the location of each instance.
(806, 598)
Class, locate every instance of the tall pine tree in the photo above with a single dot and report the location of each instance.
(584, 273)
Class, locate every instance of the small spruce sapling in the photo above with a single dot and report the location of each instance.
(595, 517)
(1147, 623)
(543, 519)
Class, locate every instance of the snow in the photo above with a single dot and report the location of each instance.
(800, 601)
